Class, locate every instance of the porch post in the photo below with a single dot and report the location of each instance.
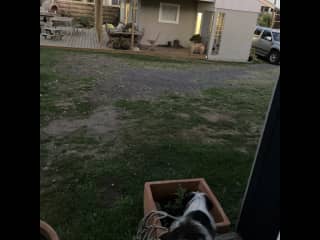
(99, 18)
(134, 9)
(137, 15)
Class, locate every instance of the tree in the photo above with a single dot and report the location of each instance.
(265, 20)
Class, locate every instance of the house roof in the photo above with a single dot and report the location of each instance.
(267, 3)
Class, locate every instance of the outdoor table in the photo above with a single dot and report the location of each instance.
(66, 21)
(54, 33)
(46, 14)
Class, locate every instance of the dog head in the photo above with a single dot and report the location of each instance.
(189, 196)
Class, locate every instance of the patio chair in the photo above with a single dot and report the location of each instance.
(76, 28)
(153, 42)
(139, 38)
(52, 35)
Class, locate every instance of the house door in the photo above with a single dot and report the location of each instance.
(206, 26)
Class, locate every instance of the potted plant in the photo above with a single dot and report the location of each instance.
(162, 192)
(197, 46)
(47, 232)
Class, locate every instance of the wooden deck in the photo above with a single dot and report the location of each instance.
(83, 38)
(87, 39)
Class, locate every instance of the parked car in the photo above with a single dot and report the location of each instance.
(266, 42)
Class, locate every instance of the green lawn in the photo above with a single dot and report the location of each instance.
(91, 185)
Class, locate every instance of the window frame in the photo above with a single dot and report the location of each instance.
(172, 5)
(219, 28)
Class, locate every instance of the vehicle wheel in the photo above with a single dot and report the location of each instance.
(274, 57)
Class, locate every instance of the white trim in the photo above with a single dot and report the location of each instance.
(210, 44)
(172, 5)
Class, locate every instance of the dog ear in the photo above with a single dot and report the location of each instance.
(187, 197)
(208, 202)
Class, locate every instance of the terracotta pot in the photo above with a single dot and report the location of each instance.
(47, 231)
(164, 190)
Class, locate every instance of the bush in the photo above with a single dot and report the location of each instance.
(84, 21)
(265, 20)
(196, 38)
(125, 44)
(116, 44)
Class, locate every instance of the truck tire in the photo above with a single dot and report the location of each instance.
(274, 57)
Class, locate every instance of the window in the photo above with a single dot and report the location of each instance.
(276, 36)
(169, 13)
(218, 33)
(266, 34)
(257, 32)
(111, 2)
(115, 2)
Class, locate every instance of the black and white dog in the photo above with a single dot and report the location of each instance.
(196, 223)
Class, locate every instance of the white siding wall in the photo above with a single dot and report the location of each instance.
(149, 20)
(236, 36)
(239, 5)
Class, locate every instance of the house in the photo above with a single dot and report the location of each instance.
(226, 26)
(268, 7)
(85, 8)
(114, 3)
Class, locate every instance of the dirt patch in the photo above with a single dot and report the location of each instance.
(201, 133)
(204, 108)
(103, 121)
(100, 122)
(183, 115)
(229, 132)
(63, 126)
(242, 150)
(217, 117)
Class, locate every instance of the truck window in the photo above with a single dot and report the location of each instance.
(257, 32)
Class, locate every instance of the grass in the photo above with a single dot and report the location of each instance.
(93, 185)
(142, 60)
(61, 96)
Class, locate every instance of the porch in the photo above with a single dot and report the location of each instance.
(83, 38)
(87, 39)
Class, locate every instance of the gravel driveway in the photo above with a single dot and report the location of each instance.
(123, 78)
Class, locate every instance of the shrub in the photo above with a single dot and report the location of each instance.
(116, 44)
(196, 38)
(85, 21)
(125, 44)
(265, 20)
